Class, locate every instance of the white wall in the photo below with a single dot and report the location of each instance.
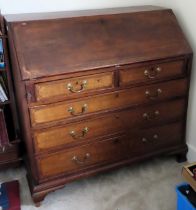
(21, 6)
(186, 14)
(185, 11)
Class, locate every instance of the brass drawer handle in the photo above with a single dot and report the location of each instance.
(72, 111)
(152, 73)
(83, 133)
(81, 162)
(155, 137)
(153, 96)
(71, 88)
(151, 116)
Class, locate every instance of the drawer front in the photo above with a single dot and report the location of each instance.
(114, 100)
(118, 122)
(99, 153)
(73, 86)
(68, 161)
(157, 138)
(153, 115)
(131, 75)
(76, 132)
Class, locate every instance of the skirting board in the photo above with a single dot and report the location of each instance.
(191, 156)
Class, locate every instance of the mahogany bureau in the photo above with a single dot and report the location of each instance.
(98, 89)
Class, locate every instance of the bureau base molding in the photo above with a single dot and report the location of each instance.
(40, 191)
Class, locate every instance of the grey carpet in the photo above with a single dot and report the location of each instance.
(145, 186)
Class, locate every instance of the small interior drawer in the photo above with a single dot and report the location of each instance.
(149, 72)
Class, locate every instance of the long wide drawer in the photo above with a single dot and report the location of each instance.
(109, 101)
(99, 153)
(79, 158)
(108, 124)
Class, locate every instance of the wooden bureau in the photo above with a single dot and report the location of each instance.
(98, 89)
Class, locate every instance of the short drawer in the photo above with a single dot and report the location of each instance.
(130, 75)
(158, 138)
(76, 132)
(76, 86)
(109, 124)
(68, 161)
(114, 100)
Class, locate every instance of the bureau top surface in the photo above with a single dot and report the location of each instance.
(69, 43)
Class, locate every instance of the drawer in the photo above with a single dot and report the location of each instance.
(130, 75)
(153, 115)
(102, 152)
(109, 101)
(108, 124)
(76, 132)
(71, 87)
(157, 138)
(68, 161)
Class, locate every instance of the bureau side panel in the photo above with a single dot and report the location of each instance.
(22, 109)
